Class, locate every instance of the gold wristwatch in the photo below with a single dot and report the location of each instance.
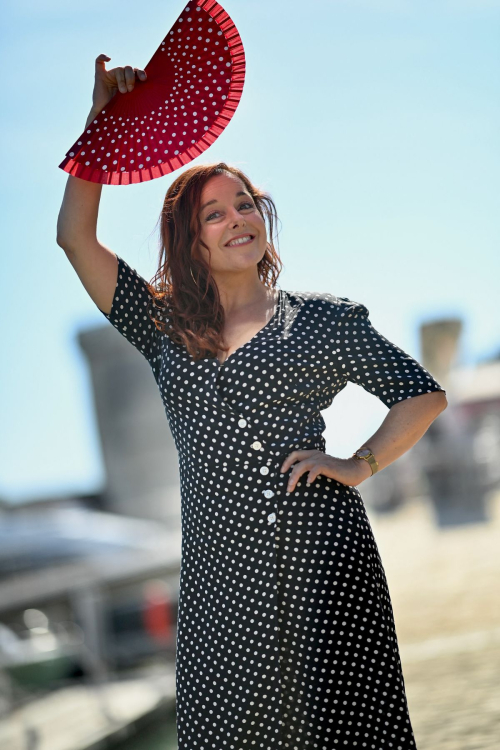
(367, 455)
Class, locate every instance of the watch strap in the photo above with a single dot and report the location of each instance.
(370, 458)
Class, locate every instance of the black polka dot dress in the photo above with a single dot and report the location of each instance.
(285, 635)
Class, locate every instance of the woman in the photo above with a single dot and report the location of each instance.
(286, 635)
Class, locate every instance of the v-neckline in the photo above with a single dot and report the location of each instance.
(271, 319)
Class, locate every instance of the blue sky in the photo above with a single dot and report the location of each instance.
(374, 125)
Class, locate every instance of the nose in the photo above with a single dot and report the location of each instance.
(235, 218)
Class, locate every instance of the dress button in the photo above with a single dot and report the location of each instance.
(257, 446)
(242, 423)
(264, 470)
(268, 493)
(271, 518)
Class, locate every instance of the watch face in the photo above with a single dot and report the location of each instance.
(364, 452)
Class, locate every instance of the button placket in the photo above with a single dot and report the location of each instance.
(268, 494)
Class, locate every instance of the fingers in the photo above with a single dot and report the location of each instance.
(308, 461)
(301, 468)
(125, 77)
(288, 462)
(100, 61)
(294, 456)
(129, 77)
(120, 80)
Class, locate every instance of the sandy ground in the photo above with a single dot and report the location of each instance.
(444, 587)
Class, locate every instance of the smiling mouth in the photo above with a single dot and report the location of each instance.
(241, 241)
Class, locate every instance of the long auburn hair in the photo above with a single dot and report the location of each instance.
(185, 298)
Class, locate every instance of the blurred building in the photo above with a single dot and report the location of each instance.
(142, 474)
(456, 463)
(461, 448)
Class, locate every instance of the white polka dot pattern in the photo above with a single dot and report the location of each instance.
(193, 87)
(129, 313)
(286, 635)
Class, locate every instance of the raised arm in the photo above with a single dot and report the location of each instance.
(95, 264)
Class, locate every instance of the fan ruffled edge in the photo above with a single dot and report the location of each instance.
(233, 39)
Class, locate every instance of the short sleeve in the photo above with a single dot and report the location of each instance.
(129, 311)
(365, 357)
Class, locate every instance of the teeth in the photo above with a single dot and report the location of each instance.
(240, 240)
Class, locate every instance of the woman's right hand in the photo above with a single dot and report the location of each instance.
(108, 82)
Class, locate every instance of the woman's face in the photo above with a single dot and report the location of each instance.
(231, 214)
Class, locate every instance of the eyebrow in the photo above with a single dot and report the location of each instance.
(240, 192)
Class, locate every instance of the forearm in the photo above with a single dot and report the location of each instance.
(77, 218)
(403, 426)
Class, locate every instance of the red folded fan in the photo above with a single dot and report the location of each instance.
(194, 84)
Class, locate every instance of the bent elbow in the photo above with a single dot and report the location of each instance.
(444, 400)
(441, 402)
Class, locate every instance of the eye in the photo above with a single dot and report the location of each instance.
(245, 204)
